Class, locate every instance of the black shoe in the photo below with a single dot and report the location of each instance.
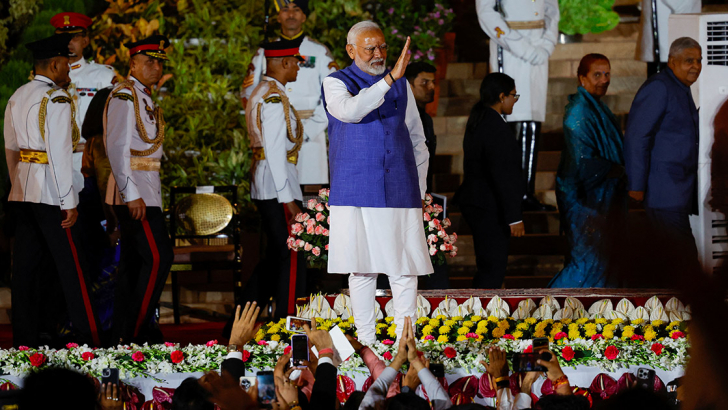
(531, 204)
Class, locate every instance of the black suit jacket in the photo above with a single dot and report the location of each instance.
(493, 178)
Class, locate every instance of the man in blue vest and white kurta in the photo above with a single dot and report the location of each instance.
(378, 161)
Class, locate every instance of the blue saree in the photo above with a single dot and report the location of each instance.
(590, 192)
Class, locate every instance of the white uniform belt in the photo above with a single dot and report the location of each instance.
(526, 25)
(145, 164)
(305, 114)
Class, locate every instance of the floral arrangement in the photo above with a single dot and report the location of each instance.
(310, 232)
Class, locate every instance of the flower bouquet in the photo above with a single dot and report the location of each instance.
(310, 232)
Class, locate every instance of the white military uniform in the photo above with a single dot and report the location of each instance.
(86, 79)
(524, 28)
(274, 147)
(664, 9)
(134, 174)
(305, 96)
(39, 127)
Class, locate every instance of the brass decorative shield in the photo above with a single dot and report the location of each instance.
(204, 214)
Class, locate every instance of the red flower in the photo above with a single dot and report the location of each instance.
(71, 345)
(528, 349)
(138, 356)
(560, 335)
(37, 359)
(260, 342)
(597, 336)
(211, 343)
(450, 352)
(388, 342)
(567, 353)
(177, 356)
(508, 336)
(246, 355)
(657, 348)
(611, 353)
(387, 355)
(23, 348)
(287, 350)
(637, 337)
(168, 344)
(677, 335)
(86, 356)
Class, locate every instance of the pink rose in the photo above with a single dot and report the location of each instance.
(308, 247)
(71, 345)
(324, 192)
(320, 207)
(433, 251)
(316, 251)
(328, 220)
(310, 222)
(429, 337)
(302, 217)
(212, 343)
(311, 204)
(23, 348)
(168, 344)
(426, 217)
(597, 336)
(508, 336)
(319, 230)
(446, 222)
(310, 230)
(326, 247)
(677, 335)
(387, 355)
(320, 217)
(326, 232)
(453, 238)
(560, 335)
(388, 342)
(300, 243)
(471, 335)
(86, 356)
(296, 228)
(138, 356)
(177, 357)
(431, 238)
(453, 254)
(262, 343)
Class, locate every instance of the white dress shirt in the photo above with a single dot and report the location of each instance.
(50, 183)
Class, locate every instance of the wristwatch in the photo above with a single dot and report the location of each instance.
(405, 389)
(232, 348)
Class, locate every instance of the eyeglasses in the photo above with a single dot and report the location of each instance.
(516, 96)
(370, 50)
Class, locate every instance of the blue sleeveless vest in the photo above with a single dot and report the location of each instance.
(372, 162)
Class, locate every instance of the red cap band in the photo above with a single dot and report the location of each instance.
(288, 52)
(145, 47)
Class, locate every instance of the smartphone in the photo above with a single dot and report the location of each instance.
(646, 378)
(299, 350)
(437, 369)
(247, 382)
(266, 389)
(295, 324)
(540, 343)
(526, 362)
(110, 376)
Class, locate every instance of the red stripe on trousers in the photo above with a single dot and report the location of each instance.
(84, 291)
(152, 276)
(292, 270)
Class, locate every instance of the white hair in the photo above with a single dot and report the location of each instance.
(358, 28)
(682, 44)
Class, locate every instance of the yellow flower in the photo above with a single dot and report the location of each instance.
(463, 330)
(638, 321)
(444, 330)
(381, 325)
(574, 334)
(351, 319)
(531, 320)
(650, 333)
(608, 332)
(441, 317)
(427, 330)
(450, 323)
(274, 329)
(492, 319)
(518, 334)
(566, 321)
(476, 318)
(442, 339)
(456, 318)
(392, 331)
(539, 333)
(657, 322)
(275, 338)
(590, 329)
(674, 324)
(282, 322)
(627, 332)
(389, 319)
(617, 321)
(522, 326)
(422, 320)
(468, 323)
(582, 320)
(503, 324)
(260, 335)
(601, 321)
(434, 322)
(557, 325)
(498, 333)
(461, 338)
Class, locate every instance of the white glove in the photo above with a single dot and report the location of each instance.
(538, 56)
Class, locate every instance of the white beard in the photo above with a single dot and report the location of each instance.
(368, 68)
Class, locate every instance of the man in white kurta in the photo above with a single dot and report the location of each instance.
(527, 32)
(304, 93)
(378, 178)
(645, 47)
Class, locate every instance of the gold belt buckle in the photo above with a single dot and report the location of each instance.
(145, 164)
(33, 156)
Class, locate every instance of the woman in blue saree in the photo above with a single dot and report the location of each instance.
(590, 182)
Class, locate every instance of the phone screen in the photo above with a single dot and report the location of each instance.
(526, 362)
(295, 324)
(266, 388)
(540, 343)
(299, 350)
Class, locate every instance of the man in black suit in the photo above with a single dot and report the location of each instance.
(421, 78)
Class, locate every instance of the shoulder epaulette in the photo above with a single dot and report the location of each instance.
(273, 99)
(123, 96)
(62, 99)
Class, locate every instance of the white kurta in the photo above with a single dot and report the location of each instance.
(378, 240)
(664, 9)
(305, 97)
(50, 183)
(525, 51)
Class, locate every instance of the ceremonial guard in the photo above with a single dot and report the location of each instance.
(87, 77)
(133, 135)
(40, 137)
(523, 34)
(305, 92)
(276, 135)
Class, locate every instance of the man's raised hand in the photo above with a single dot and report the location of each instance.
(404, 58)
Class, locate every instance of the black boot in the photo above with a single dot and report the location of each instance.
(527, 133)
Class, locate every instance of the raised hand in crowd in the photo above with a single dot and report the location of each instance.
(498, 366)
(555, 374)
(226, 392)
(244, 328)
(354, 343)
(528, 381)
(286, 391)
(312, 362)
(321, 339)
(402, 353)
(412, 379)
(282, 365)
(399, 68)
(110, 397)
